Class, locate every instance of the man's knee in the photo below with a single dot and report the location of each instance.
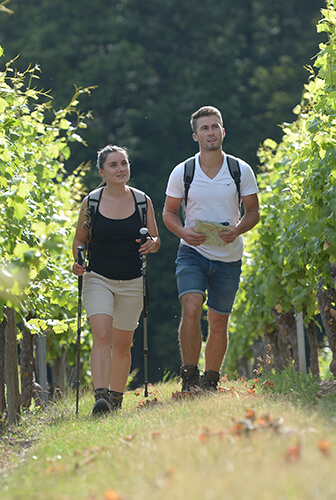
(218, 323)
(192, 304)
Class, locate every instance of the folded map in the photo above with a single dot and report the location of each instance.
(211, 230)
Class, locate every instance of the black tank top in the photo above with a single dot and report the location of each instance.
(114, 252)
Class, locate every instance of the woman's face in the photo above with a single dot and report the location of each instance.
(116, 168)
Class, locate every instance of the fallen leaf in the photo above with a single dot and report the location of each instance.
(236, 429)
(293, 453)
(56, 468)
(249, 414)
(186, 394)
(203, 437)
(324, 446)
(128, 439)
(169, 472)
(111, 495)
(267, 383)
(263, 420)
(147, 403)
(207, 433)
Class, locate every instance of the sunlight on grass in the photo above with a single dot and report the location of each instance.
(240, 442)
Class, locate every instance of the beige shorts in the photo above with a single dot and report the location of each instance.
(121, 299)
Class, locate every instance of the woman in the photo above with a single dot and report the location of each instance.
(112, 286)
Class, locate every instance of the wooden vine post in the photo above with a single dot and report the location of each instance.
(11, 367)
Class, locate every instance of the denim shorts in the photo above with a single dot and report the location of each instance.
(197, 274)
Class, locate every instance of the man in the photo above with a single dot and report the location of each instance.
(202, 270)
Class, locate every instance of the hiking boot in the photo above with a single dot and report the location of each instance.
(209, 381)
(102, 404)
(115, 400)
(190, 378)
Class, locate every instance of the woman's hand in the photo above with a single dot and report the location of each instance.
(150, 245)
(77, 269)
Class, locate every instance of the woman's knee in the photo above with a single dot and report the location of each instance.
(121, 349)
(122, 342)
(102, 337)
(102, 328)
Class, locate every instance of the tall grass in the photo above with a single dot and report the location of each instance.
(241, 443)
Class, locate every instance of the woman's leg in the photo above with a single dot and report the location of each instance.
(121, 359)
(102, 332)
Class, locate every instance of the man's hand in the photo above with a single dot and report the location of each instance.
(230, 235)
(192, 238)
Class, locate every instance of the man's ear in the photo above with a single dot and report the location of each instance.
(224, 133)
(194, 136)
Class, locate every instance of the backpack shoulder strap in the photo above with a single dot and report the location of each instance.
(141, 203)
(189, 171)
(92, 207)
(94, 199)
(235, 173)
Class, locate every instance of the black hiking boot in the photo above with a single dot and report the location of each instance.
(102, 404)
(209, 381)
(190, 378)
(115, 400)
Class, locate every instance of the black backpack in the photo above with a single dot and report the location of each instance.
(189, 171)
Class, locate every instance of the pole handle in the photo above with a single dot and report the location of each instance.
(80, 255)
(143, 235)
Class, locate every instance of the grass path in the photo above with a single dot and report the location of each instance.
(242, 443)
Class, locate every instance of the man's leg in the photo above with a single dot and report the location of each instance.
(190, 340)
(190, 331)
(215, 349)
(217, 342)
(191, 274)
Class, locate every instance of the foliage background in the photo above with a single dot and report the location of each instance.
(153, 63)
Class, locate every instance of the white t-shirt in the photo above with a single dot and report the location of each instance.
(214, 200)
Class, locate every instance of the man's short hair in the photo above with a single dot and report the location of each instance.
(204, 111)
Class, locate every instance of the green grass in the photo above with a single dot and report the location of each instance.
(266, 442)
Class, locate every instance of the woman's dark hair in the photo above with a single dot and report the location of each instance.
(102, 154)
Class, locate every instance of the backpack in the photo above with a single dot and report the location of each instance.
(93, 202)
(189, 171)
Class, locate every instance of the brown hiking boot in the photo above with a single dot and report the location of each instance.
(190, 378)
(102, 404)
(115, 400)
(209, 381)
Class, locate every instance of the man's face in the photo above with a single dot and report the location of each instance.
(209, 133)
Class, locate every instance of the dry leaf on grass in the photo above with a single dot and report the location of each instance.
(293, 453)
(112, 495)
(147, 403)
(128, 439)
(324, 446)
(186, 394)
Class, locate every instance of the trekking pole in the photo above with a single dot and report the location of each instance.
(144, 233)
(80, 260)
